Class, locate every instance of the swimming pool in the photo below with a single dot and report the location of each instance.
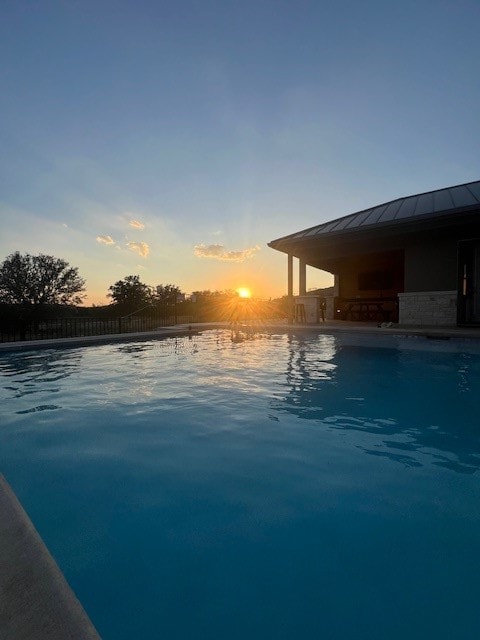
(254, 486)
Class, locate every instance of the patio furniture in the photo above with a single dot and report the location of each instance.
(368, 309)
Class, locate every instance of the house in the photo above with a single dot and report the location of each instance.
(415, 260)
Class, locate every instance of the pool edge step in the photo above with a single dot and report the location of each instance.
(36, 602)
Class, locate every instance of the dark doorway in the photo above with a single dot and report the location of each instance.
(469, 282)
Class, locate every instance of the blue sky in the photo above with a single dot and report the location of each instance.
(175, 139)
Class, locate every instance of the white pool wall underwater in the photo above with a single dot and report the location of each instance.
(36, 602)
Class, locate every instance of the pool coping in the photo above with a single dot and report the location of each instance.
(337, 326)
(83, 341)
(36, 602)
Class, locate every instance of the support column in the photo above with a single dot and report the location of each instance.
(291, 308)
(302, 278)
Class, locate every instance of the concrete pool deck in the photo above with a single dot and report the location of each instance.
(36, 602)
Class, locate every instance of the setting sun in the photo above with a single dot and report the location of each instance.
(244, 292)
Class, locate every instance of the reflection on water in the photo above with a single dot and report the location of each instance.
(306, 366)
(38, 374)
(42, 407)
(422, 406)
(418, 407)
(46, 365)
(137, 347)
(245, 333)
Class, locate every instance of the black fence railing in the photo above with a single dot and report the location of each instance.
(12, 331)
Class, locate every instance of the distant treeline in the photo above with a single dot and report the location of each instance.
(202, 307)
(37, 289)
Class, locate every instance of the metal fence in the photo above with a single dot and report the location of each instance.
(78, 327)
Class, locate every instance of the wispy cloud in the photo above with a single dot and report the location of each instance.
(141, 248)
(218, 252)
(105, 240)
(136, 224)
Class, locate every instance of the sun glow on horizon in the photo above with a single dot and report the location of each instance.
(244, 292)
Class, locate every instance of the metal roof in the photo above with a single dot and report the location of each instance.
(451, 200)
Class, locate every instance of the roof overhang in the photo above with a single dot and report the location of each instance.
(389, 223)
(324, 250)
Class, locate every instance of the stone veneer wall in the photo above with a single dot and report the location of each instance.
(437, 308)
(330, 310)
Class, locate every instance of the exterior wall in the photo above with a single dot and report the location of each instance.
(312, 307)
(330, 310)
(430, 296)
(431, 265)
(336, 285)
(438, 308)
(310, 304)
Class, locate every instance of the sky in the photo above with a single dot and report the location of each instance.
(174, 139)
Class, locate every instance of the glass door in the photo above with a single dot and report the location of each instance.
(469, 282)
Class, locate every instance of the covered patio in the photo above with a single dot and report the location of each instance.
(414, 260)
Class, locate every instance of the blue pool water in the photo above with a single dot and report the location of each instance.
(276, 486)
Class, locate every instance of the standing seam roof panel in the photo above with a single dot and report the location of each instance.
(391, 211)
(462, 197)
(475, 190)
(424, 204)
(407, 208)
(344, 222)
(442, 200)
(359, 219)
(310, 232)
(331, 226)
(376, 214)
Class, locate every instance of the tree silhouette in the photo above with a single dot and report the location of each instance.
(130, 293)
(163, 293)
(38, 281)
